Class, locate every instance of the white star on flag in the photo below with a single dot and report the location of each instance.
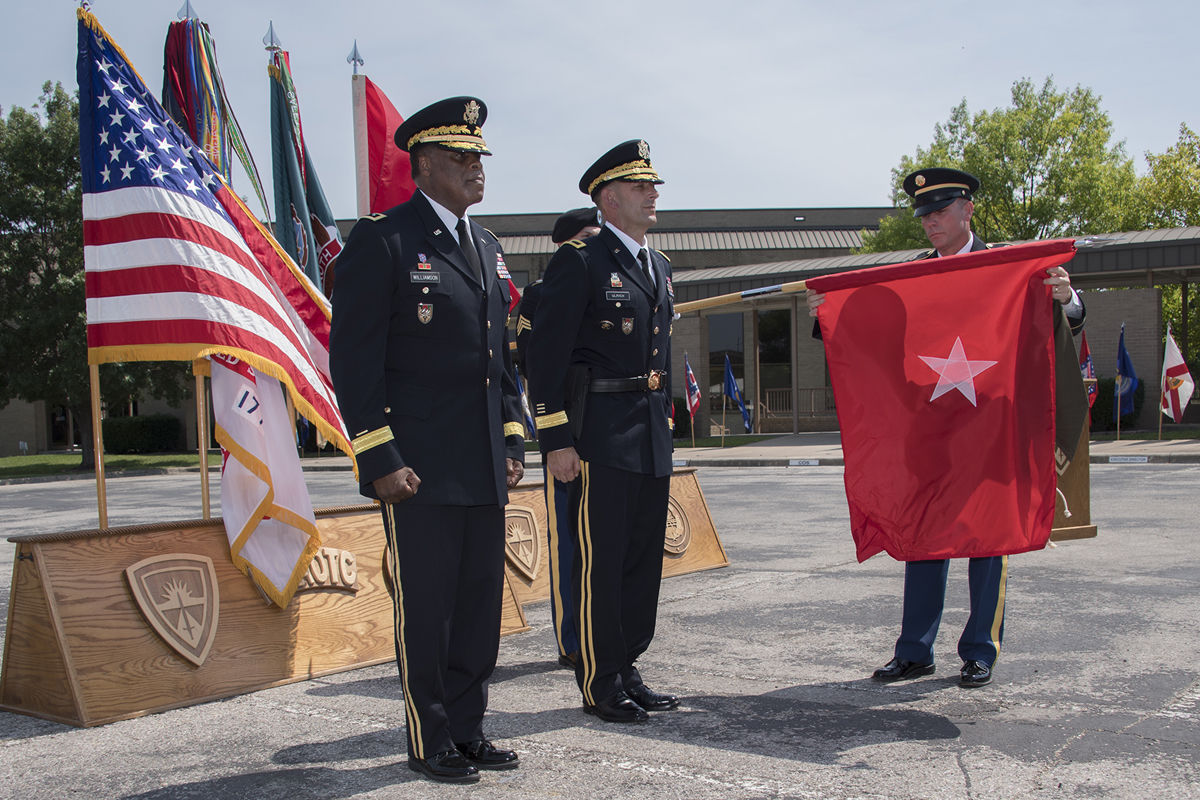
(956, 372)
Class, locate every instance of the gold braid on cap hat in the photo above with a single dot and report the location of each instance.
(446, 133)
(624, 171)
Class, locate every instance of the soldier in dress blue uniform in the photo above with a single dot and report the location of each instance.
(600, 350)
(421, 364)
(578, 223)
(942, 200)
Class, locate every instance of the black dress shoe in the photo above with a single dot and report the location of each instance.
(569, 661)
(898, 669)
(974, 673)
(651, 700)
(618, 708)
(449, 766)
(485, 755)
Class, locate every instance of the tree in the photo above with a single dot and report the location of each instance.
(1046, 165)
(1169, 197)
(43, 326)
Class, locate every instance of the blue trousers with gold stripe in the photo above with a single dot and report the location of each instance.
(562, 540)
(622, 520)
(447, 566)
(925, 595)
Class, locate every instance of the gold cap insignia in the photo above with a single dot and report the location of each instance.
(643, 149)
(919, 180)
(471, 114)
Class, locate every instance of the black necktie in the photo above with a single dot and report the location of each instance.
(468, 248)
(644, 258)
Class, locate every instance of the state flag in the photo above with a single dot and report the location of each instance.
(1177, 383)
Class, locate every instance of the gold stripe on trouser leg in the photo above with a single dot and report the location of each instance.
(587, 646)
(998, 619)
(555, 575)
(410, 709)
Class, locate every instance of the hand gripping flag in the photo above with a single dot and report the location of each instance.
(731, 390)
(304, 223)
(944, 375)
(176, 267)
(693, 388)
(1087, 370)
(1127, 380)
(1177, 383)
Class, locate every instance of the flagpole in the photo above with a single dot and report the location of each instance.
(202, 442)
(739, 297)
(98, 446)
(1162, 386)
(1120, 401)
(724, 398)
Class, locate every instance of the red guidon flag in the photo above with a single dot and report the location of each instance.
(943, 376)
(384, 179)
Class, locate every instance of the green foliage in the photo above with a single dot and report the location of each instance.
(43, 333)
(1046, 166)
(1169, 194)
(152, 433)
(1169, 197)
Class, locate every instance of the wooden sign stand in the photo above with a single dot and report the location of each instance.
(81, 650)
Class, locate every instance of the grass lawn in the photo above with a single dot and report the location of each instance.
(1169, 431)
(67, 463)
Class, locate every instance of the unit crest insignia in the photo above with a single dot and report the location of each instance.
(424, 312)
(522, 545)
(627, 325)
(679, 530)
(177, 594)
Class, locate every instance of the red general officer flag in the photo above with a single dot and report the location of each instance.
(384, 176)
(943, 374)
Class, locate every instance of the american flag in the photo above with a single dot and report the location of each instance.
(693, 388)
(177, 267)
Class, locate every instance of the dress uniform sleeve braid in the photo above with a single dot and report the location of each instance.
(514, 417)
(358, 343)
(559, 315)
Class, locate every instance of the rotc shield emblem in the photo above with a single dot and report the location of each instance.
(626, 325)
(177, 594)
(522, 545)
(424, 312)
(679, 530)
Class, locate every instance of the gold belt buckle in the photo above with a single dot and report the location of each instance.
(654, 381)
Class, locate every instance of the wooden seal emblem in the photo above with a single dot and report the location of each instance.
(177, 594)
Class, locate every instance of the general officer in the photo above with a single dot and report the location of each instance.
(600, 350)
(420, 361)
(578, 223)
(942, 200)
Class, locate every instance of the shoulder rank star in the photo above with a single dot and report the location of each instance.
(614, 281)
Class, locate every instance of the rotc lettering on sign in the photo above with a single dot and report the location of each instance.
(331, 568)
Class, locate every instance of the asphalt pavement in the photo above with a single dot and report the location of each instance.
(1097, 691)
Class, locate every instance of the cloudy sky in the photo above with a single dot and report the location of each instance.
(745, 104)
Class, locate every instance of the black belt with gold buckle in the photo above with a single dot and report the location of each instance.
(642, 383)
